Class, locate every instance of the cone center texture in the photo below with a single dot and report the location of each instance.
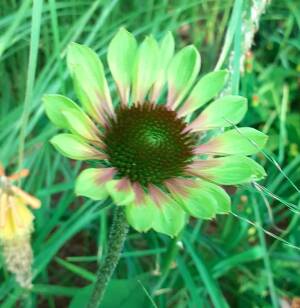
(146, 143)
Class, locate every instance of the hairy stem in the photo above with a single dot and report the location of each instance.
(117, 236)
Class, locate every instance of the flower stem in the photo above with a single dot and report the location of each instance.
(117, 236)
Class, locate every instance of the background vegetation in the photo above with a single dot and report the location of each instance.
(248, 259)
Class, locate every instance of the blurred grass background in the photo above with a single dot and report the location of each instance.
(248, 259)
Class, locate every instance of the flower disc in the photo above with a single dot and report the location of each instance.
(146, 143)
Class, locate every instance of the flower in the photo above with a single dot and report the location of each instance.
(16, 226)
(153, 153)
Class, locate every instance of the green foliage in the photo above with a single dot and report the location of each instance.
(246, 259)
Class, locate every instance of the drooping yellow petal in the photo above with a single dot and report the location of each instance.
(16, 226)
(21, 174)
(27, 198)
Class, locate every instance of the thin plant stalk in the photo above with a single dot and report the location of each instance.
(117, 236)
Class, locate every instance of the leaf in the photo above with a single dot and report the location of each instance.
(125, 293)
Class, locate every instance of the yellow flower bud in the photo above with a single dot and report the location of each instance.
(16, 226)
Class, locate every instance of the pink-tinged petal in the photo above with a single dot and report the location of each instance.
(196, 124)
(182, 72)
(105, 107)
(205, 200)
(124, 185)
(145, 69)
(166, 51)
(99, 144)
(169, 216)
(229, 170)
(80, 124)
(89, 80)
(157, 195)
(140, 195)
(121, 63)
(204, 164)
(206, 148)
(223, 112)
(121, 191)
(179, 186)
(91, 182)
(197, 167)
(205, 89)
(142, 215)
(105, 175)
(75, 147)
(237, 141)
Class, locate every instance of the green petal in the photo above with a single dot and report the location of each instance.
(206, 88)
(121, 56)
(80, 124)
(205, 200)
(54, 105)
(120, 197)
(232, 170)
(141, 216)
(201, 205)
(182, 73)
(241, 141)
(170, 218)
(73, 147)
(146, 69)
(86, 184)
(89, 79)
(223, 112)
(223, 201)
(166, 52)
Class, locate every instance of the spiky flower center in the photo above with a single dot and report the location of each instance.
(146, 143)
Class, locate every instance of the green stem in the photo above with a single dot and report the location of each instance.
(117, 236)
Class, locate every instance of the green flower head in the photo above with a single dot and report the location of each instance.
(150, 151)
